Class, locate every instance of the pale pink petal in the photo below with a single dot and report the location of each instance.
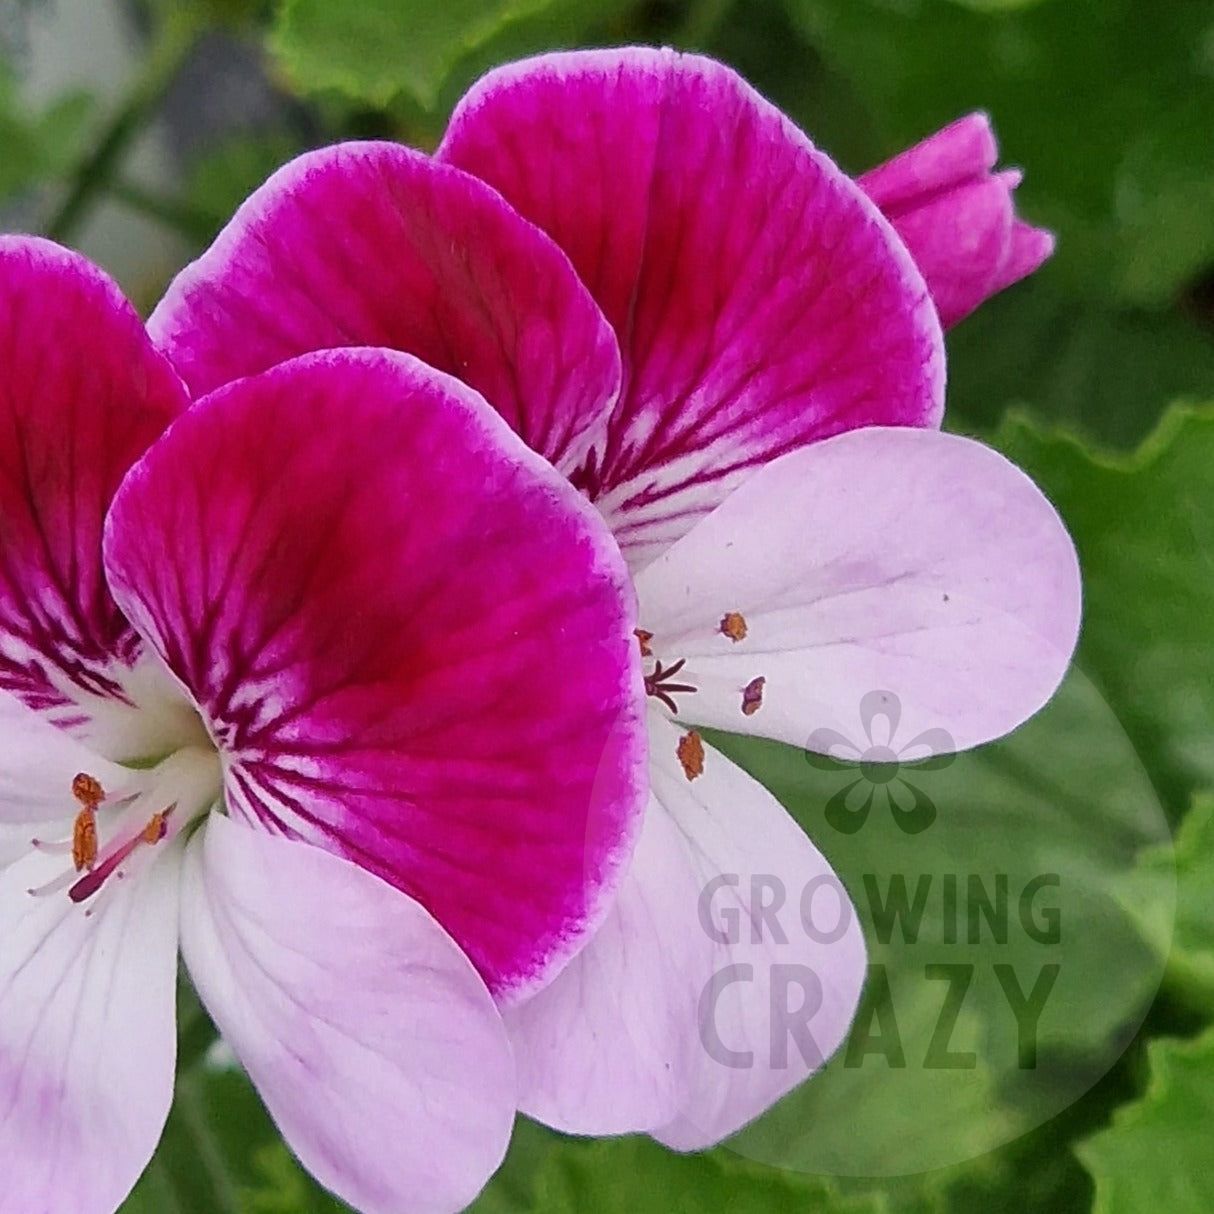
(373, 244)
(910, 562)
(690, 1012)
(376, 1047)
(760, 300)
(607, 1048)
(87, 1036)
(787, 959)
(15, 842)
(38, 762)
(957, 216)
(83, 395)
(411, 638)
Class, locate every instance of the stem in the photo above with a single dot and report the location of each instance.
(92, 175)
(194, 224)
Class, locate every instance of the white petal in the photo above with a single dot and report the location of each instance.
(87, 1036)
(784, 982)
(909, 562)
(607, 1047)
(37, 763)
(636, 1025)
(372, 1040)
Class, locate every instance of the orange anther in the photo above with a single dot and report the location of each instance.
(733, 626)
(84, 839)
(691, 754)
(156, 829)
(87, 790)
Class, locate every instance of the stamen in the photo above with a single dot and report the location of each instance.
(151, 834)
(62, 847)
(752, 696)
(733, 626)
(88, 791)
(156, 829)
(691, 754)
(56, 886)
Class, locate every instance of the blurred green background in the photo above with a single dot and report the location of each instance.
(132, 131)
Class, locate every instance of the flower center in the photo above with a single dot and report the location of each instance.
(659, 684)
(667, 681)
(115, 832)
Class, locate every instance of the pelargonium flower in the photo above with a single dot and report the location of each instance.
(334, 682)
(687, 308)
(957, 217)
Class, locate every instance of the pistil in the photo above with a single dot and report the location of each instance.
(659, 685)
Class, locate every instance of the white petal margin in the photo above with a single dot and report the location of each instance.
(373, 1042)
(788, 959)
(37, 763)
(87, 1035)
(607, 1048)
(907, 561)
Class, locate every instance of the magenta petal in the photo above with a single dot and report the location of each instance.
(958, 217)
(411, 638)
(760, 300)
(961, 238)
(1028, 249)
(372, 244)
(82, 395)
(963, 151)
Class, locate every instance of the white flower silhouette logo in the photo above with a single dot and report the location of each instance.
(881, 764)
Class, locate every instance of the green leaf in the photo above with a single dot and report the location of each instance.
(1079, 791)
(376, 49)
(1106, 372)
(1107, 105)
(1145, 534)
(1156, 1154)
(995, 6)
(1032, 816)
(1189, 936)
(625, 1175)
